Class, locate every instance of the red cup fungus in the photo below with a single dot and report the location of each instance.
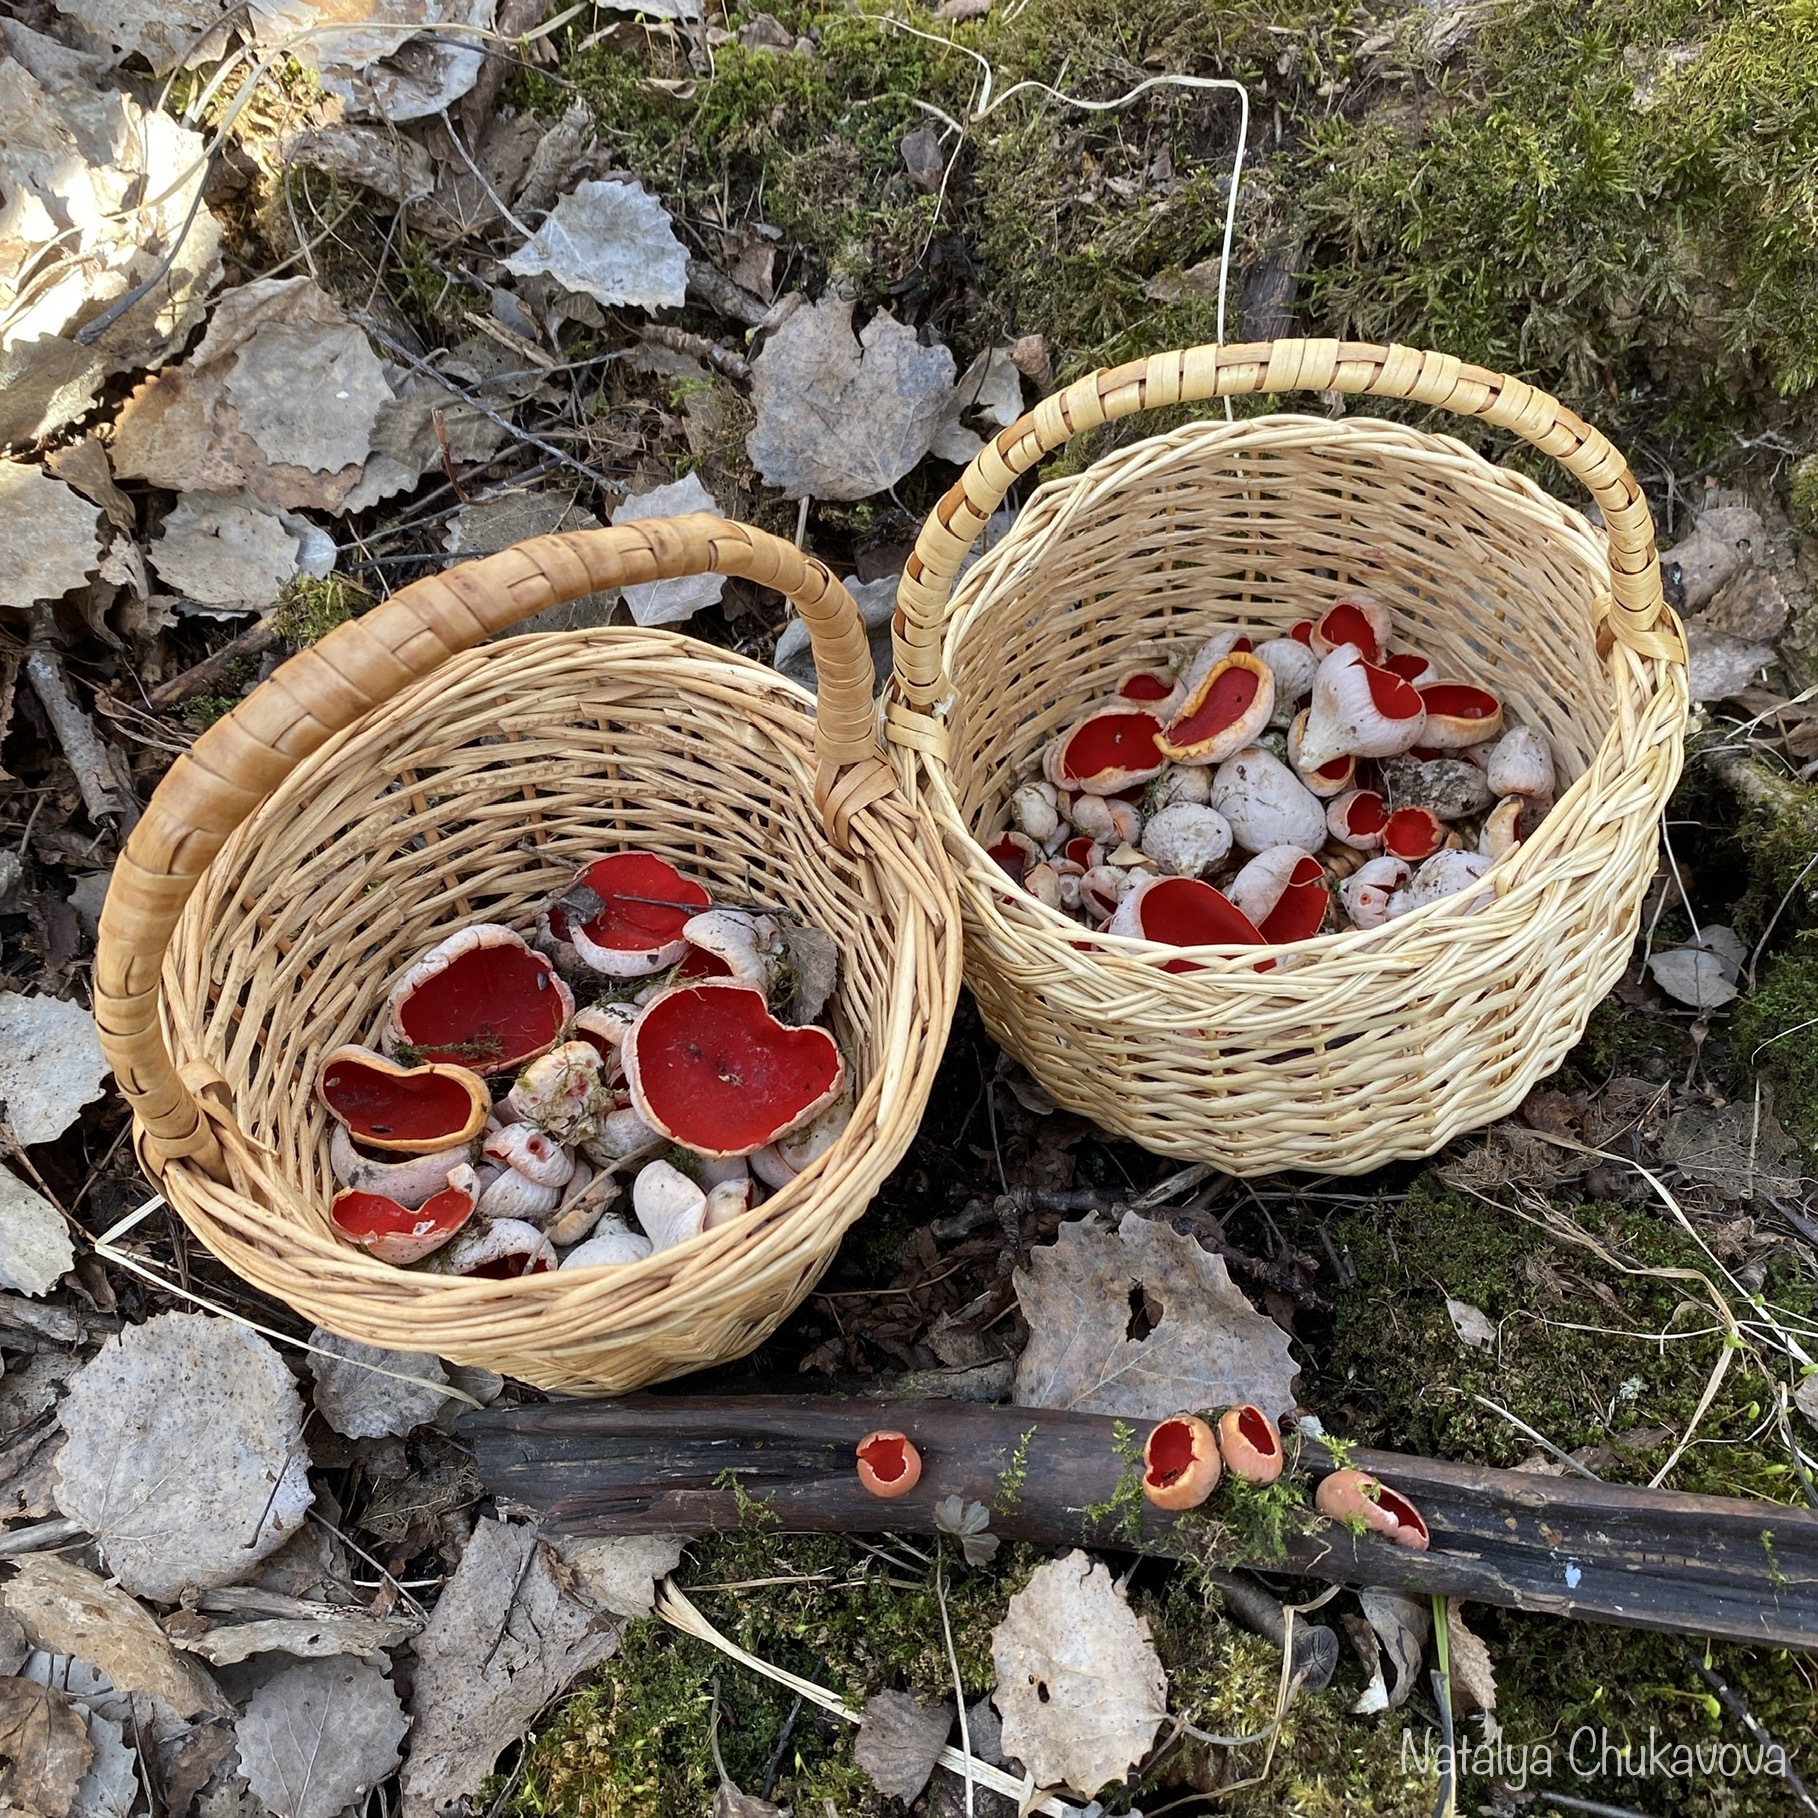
(1110, 749)
(1223, 714)
(1355, 1496)
(1413, 834)
(400, 1234)
(409, 1110)
(1459, 715)
(1181, 1465)
(643, 904)
(1251, 1444)
(481, 998)
(888, 1464)
(1358, 621)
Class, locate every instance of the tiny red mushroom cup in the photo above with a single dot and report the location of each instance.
(888, 1464)
(1226, 712)
(710, 1068)
(1181, 1464)
(1359, 621)
(1351, 1495)
(1459, 715)
(399, 1234)
(1283, 891)
(1413, 834)
(403, 1110)
(1112, 748)
(482, 998)
(1357, 819)
(624, 914)
(1251, 1444)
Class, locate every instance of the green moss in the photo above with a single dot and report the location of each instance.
(309, 609)
(1615, 194)
(1775, 1032)
(1577, 1357)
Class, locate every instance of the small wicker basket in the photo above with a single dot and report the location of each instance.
(1361, 1047)
(393, 783)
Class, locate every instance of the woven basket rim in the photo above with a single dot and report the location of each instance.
(1516, 878)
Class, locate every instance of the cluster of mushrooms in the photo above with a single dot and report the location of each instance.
(517, 1086)
(1221, 802)
(1184, 1459)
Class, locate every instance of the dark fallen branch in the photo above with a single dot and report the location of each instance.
(1699, 1565)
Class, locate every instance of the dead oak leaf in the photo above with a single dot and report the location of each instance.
(1207, 1347)
(44, 1749)
(842, 416)
(507, 1636)
(185, 1457)
(1080, 1686)
(318, 1736)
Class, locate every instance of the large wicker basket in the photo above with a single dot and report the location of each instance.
(394, 783)
(1359, 1047)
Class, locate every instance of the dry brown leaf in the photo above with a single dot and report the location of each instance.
(307, 1637)
(225, 550)
(51, 1065)
(1394, 1633)
(670, 602)
(49, 536)
(385, 162)
(899, 1741)
(839, 416)
(1473, 1673)
(613, 242)
(44, 1749)
(185, 1456)
(1474, 1327)
(67, 1610)
(619, 1572)
(357, 1400)
(1079, 1683)
(111, 1785)
(507, 1636)
(1208, 1347)
(375, 55)
(99, 192)
(192, 1761)
(35, 1247)
(318, 1736)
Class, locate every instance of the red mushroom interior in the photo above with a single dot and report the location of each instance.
(1301, 631)
(887, 1455)
(1347, 623)
(1399, 1506)
(1220, 705)
(644, 901)
(508, 1268)
(1407, 664)
(1079, 850)
(1459, 701)
(387, 1106)
(1170, 1454)
(1301, 908)
(1253, 1424)
(697, 962)
(490, 1007)
(1112, 741)
(1339, 768)
(1011, 858)
(1412, 833)
(1187, 912)
(720, 1074)
(1366, 813)
(393, 1233)
(1396, 697)
(1145, 685)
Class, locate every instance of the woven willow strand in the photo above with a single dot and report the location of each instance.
(394, 782)
(1358, 1047)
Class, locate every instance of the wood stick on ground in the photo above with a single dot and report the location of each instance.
(255, 640)
(1699, 1565)
(82, 745)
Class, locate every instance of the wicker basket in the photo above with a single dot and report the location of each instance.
(1359, 1047)
(393, 783)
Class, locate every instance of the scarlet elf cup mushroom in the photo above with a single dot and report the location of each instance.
(1182, 773)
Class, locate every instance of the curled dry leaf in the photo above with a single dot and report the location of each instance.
(670, 602)
(613, 242)
(315, 1637)
(385, 162)
(969, 1523)
(1207, 1346)
(899, 1741)
(1079, 1683)
(1473, 1673)
(111, 1784)
(398, 59)
(1392, 1634)
(185, 1456)
(51, 1065)
(619, 1572)
(34, 1241)
(99, 192)
(318, 1736)
(507, 1636)
(357, 1400)
(49, 536)
(44, 1749)
(1474, 1327)
(66, 1610)
(226, 550)
(841, 416)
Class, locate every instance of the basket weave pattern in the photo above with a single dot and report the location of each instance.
(461, 787)
(1360, 1047)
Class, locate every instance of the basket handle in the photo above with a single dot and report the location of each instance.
(1637, 611)
(241, 759)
